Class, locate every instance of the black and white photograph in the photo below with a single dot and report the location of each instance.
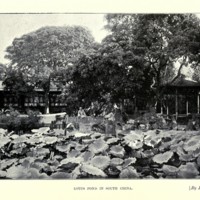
(99, 96)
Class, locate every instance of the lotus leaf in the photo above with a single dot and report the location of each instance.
(34, 140)
(42, 151)
(63, 148)
(129, 161)
(87, 155)
(100, 161)
(7, 163)
(80, 147)
(174, 147)
(3, 174)
(76, 172)
(183, 156)
(17, 172)
(93, 170)
(50, 140)
(135, 144)
(58, 157)
(16, 151)
(43, 130)
(192, 144)
(61, 175)
(96, 135)
(35, 174)
(26, 162)
(77, 160)
(73, 153)
(113, 171)
(129, 172)
(81, 135)
(117, 151)
(69, 167)
(165, 146)
(134, 136)
(3, 131)
(196, 153)
(53, 163)
(20, 139)
(98, 146)
(116, 161)
(147, 154)
(152, 141)
(14, 136)
(163, 158)
(18, 145)
(180, 136)
(112, 140)
(87, 141)
(188, 171)
(170, 170)
(198, 161)
(4, 141)
(39, 165)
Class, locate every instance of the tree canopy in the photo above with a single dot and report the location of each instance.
(162, 42)
(141, 55)
(38, 56)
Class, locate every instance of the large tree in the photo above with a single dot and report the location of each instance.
(38, 57)
(164, 43)
(2, 71)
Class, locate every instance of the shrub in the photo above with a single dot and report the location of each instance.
(14, 122)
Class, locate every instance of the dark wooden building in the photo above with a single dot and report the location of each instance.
(181, 98)
(33, 101)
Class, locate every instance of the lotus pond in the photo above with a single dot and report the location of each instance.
(132, 155)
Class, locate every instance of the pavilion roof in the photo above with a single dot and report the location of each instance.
(182, 81)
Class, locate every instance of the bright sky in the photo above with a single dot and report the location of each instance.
(15, 25)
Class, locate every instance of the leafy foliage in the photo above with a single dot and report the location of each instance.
(13, 121)
(158, 41)
(41, 156)
(39, 57)
(163, 158)
(101, 162)
(188, 171)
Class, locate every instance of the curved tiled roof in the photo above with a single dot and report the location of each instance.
(182, 81)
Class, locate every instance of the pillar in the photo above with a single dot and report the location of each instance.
(161, 107)
(176, 104)
(198, 103)
(187, 109)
